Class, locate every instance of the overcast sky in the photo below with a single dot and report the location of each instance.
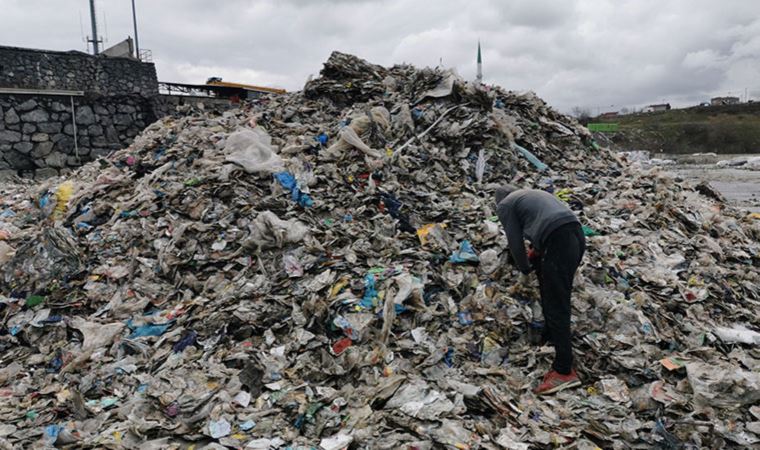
(599, 54)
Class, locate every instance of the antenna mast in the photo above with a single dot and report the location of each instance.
(134, 21)
(95, 41)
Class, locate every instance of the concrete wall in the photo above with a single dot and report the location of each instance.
(76, 71)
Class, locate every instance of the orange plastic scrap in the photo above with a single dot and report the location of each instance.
(672, 363)
(425, 230)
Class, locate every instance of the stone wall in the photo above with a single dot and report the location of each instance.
(76, 71)
(37, 137)
(37, 132)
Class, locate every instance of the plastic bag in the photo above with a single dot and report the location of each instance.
(252, 150)
(268, 230)
(444, 88)
(350, 136)
(722, 387)
(737, 333)
(480, 166)
(6, 253)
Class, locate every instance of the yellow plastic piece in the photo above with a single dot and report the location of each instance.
(62, 196)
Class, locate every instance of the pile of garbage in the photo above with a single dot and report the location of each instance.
(644, 159)
(324, 269)
(741, 162)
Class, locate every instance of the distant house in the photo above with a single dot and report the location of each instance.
(609, 115)
(656, 108)
(722, 101)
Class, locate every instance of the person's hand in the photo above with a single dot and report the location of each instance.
(534, 259)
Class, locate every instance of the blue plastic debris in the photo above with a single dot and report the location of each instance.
(288, 181)
(449, 358)
(56, 363)
(322, 138)
(393, 206)
(298, 423)
(7, 213)
(247, 425)
(531, 157)
(465, 254)
(44, 201)
(370, 292)
(52, 319)
(51, 433)
(465, 317)
(187, 340)
(148, 330)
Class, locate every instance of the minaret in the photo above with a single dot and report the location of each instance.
(479, 77)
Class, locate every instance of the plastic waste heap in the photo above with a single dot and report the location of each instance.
(323, 269)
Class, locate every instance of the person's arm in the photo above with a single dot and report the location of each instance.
(515, 239)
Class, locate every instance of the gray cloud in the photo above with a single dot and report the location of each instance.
(602, 54)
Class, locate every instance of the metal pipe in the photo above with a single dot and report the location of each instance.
(74, 125)
(134, 21)
(95, 49)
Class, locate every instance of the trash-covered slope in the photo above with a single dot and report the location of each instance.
(324, 269)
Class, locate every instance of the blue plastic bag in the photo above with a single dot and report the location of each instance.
(465, 254)
(531, 157)
(148, 330)
(288, 181)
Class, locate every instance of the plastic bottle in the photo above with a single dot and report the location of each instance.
(536, 327)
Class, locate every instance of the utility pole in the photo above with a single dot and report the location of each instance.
(94, 39)
(134, 21)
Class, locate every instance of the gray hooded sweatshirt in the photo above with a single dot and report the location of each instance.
(531, 214)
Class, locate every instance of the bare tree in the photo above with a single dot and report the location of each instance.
(582, 114)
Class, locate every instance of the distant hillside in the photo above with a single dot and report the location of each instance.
(719, 129)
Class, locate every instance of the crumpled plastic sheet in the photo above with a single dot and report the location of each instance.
(252, 150)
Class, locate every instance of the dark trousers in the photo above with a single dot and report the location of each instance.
(560, 259)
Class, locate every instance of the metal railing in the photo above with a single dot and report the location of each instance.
(146, 55)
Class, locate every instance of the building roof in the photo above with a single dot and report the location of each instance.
(248, 87)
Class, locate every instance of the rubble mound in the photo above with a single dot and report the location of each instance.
(324, 269)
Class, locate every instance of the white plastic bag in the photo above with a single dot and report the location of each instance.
(268, 230)
(351, 135)
(252, 150)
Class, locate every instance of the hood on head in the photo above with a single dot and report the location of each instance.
(503, 191)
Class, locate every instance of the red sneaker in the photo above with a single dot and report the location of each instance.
(555, 382)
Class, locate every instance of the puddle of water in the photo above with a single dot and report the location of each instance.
(740, 187)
